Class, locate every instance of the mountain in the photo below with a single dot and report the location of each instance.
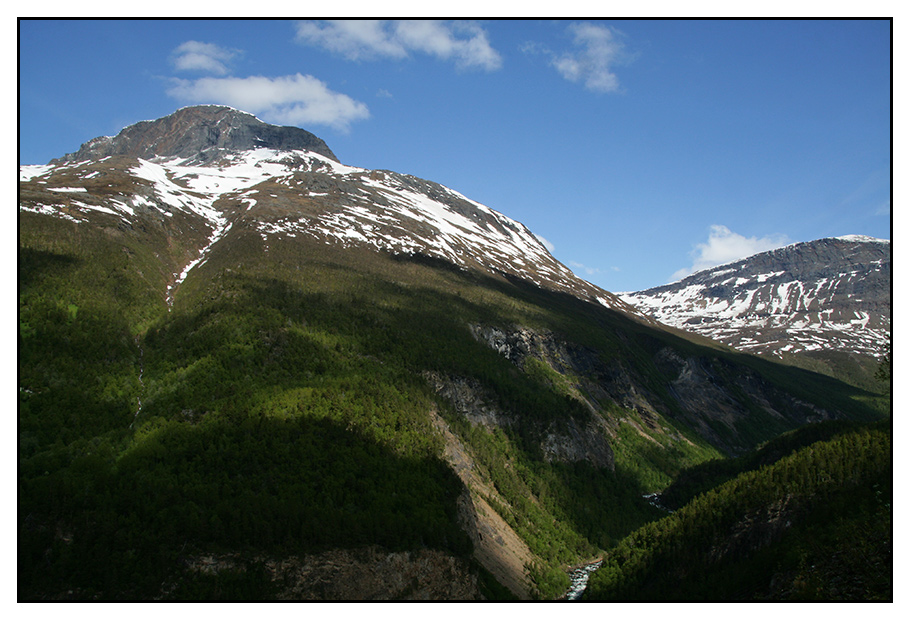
(225, 169)
(247, 370)
(819, 300)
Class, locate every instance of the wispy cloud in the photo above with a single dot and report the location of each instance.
(465, 43)
(725, 246)
(550, 247)
(591, 271)
(290, 100)
(202, 57)
(576, 266)
(597, 49)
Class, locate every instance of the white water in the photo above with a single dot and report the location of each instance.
(141, 385)
(579, 578)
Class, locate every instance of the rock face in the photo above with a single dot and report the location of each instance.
(709, 394)
(366, 574)
(571, 441)
(496, 545)
(830, 294)
(200, 133)
(714, 395)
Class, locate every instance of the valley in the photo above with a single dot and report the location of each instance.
(247, 371)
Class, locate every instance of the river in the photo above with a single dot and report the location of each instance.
(579, 578)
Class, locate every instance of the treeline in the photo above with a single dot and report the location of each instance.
(814, 525)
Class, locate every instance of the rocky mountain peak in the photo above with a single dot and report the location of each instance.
(201, 133)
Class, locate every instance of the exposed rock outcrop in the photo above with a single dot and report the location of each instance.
(711, 394)
(199, 132)
(711, 401)
(566, 441)
(365, 574)
(469, 398)
(496, 545)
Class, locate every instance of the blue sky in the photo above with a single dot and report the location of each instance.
(640, 150)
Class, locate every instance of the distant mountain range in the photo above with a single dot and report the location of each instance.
(815, 299)
(830, 293)
(247, 370)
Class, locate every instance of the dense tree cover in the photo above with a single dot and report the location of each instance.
(279, 408)
(815, 524)
(883, 371)
(704, 476)
(118, 525)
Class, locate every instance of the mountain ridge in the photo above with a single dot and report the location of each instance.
(830, 293)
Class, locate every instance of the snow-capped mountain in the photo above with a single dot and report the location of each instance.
(216, 170)
(824, 295)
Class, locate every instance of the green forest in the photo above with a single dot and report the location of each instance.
(798, 522)
(279, 408)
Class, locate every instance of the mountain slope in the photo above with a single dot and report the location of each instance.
(824, 299)
(231, 370)
(213, 168)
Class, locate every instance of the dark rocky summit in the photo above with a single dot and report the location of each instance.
(201, 133)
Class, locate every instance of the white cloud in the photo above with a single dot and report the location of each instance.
(591, 271)
(576, 266)
(290, 100)
(354, 39)
(550, 247)
(597, 51)
(464, 42)
(204, 57)
(726, 246)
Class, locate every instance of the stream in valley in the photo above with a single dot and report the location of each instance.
(579, 578)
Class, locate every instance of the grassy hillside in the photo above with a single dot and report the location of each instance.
(281, 408)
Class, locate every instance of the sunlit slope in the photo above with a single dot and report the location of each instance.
(824, 305)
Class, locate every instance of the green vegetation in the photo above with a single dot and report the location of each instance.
(279, 409)
(858, 370)
(703, 477)
(814, 524)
